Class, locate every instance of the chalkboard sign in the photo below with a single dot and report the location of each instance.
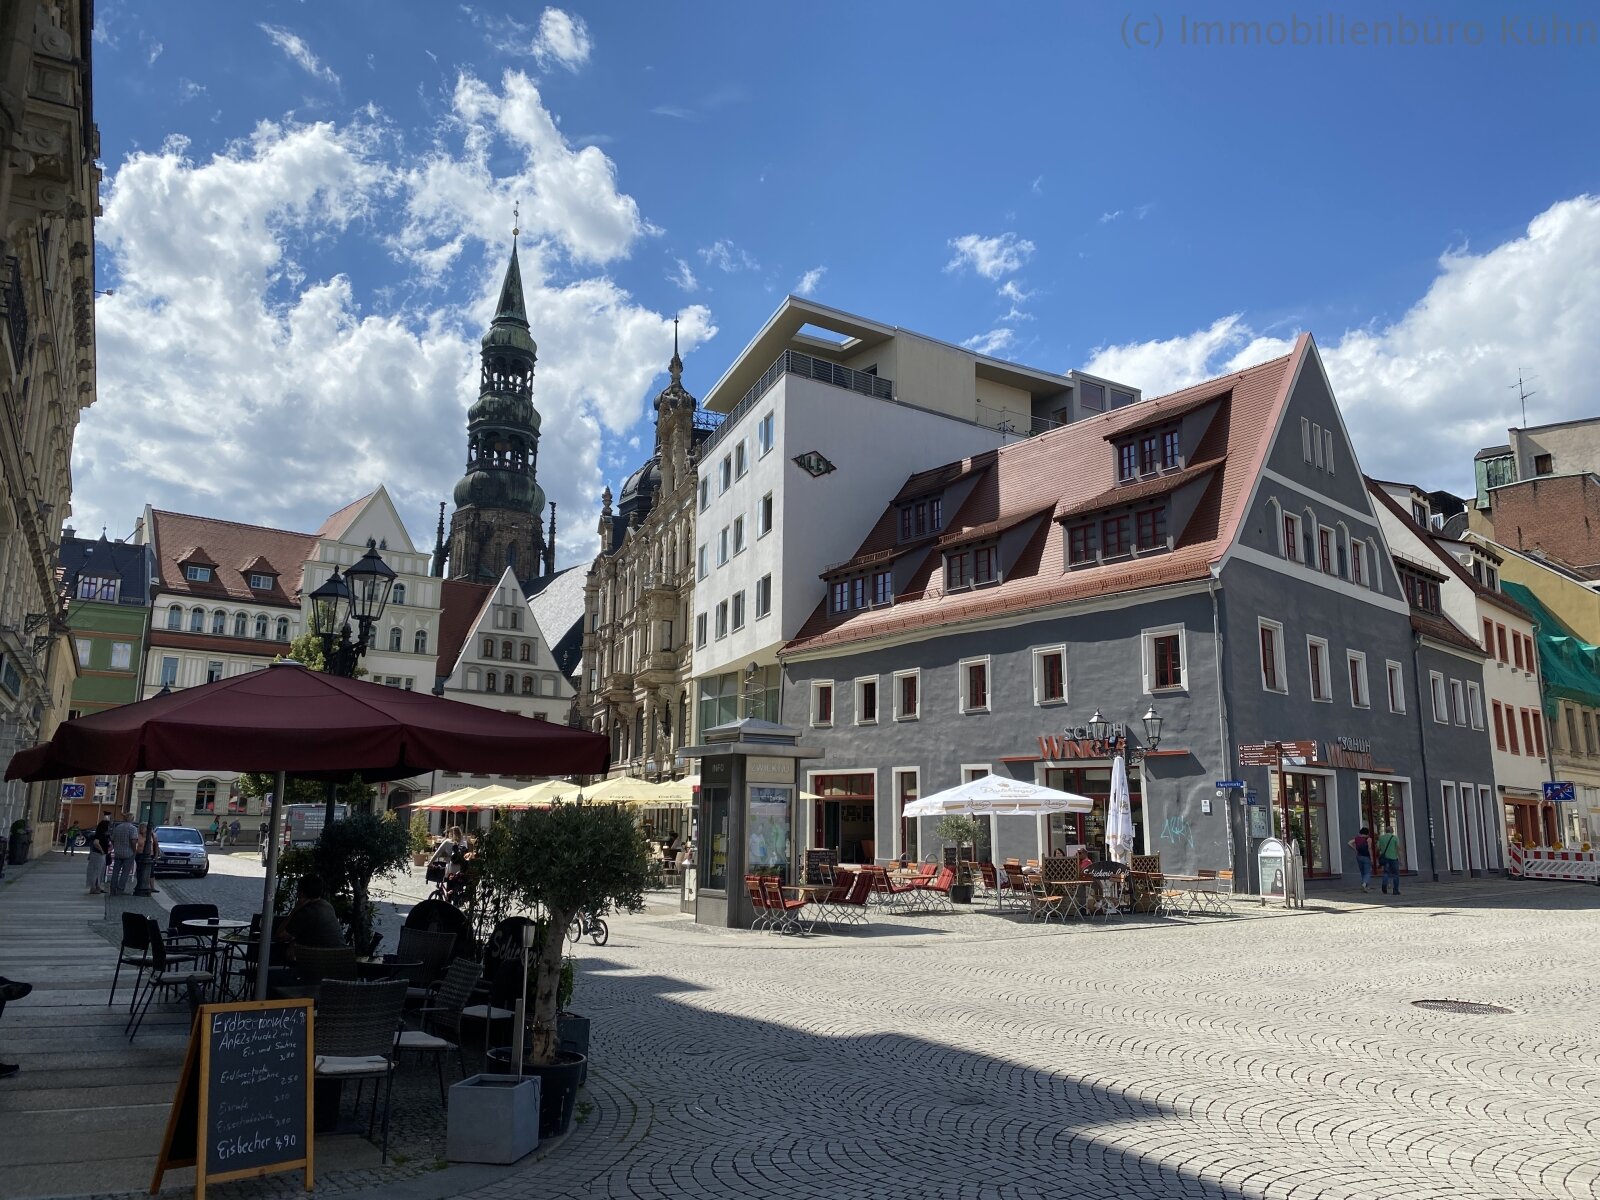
(816, 860)
(243, 1106)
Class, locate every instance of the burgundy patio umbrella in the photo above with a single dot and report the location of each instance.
(289, 720)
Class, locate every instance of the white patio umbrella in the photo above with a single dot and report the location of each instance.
(1119, 820)
(994, 795)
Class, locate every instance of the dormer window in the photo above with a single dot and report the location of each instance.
(1081, 544)
(1421, 591)
(921, 518)
(261, 583)
(1170, 450)
(1151, 529)
(1149, 453)
(985, 566)
(1127, 462)
(957, 571)
(882, 588)
(1114, 536)
(197, 574)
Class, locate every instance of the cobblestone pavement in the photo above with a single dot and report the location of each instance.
(981, 1057)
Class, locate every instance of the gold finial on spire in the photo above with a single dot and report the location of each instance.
(516, 219)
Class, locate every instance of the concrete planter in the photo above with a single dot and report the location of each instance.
(492, 1119)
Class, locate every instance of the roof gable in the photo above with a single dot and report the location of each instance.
(229, 547)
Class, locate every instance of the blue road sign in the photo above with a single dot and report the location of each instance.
(72, 791)
(1250, 796)
(1561, 792)
(1229, 783)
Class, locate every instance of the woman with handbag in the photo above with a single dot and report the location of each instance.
(1362, 844)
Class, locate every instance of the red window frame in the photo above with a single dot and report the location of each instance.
(1499, 727)
(908, 695)
(957, 571)
(1150, 527)
(1538, 730)
(1500, 639)
(1357, 553)
(1511, 729)
(1127, 461)
(1149, 454)
(977, 685)
(1114, 536)
(1080, 543)
(824, 705)
(983, 566)
(1315, 657)
(1516, 651)
(1325, 550)
(1053, 676)
(1291, 536)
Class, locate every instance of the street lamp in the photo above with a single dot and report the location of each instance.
(1110, 739)
(360, 595)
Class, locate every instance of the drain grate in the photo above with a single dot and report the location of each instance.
(1462, 1006)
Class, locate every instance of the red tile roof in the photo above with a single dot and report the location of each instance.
(975, 533)
(1443, 629)
(460, 604)
(1168, 413)
(1065, 469)
(1498, 599)
(173, 639)
(335, 525)
(231, 547)
(1144, 489)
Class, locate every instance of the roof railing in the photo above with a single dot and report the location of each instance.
(807, 366)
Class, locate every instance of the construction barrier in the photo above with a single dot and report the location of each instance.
(1577, 866)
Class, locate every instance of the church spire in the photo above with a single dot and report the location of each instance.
(675, 367)
(511, 307)
(438, 546)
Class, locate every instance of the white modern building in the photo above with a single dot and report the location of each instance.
(827, 414)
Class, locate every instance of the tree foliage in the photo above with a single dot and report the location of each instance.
(352, 853)
(565, 860)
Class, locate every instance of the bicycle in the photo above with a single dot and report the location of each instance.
(588, 925)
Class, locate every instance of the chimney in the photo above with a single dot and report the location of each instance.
(68, 531)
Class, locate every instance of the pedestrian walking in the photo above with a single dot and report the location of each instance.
(72, 836)
(233, 832)
(261, 835)
(99, 847)
(216, 830)
(124, 845)
(1389, 856)
(1362, 844)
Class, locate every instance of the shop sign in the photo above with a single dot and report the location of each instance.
(1054, 746)
(1265, 754)
(1351, 752)
(766, 769)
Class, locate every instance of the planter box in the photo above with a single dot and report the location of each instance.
(572, 1034)
(492, 1119)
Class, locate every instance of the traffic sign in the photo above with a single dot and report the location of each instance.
(74, 791)
(1229, 783)
(1561, 791)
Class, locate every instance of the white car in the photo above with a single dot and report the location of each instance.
(183, 851)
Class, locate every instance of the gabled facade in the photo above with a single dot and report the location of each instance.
(1212, 554)
(493, 654)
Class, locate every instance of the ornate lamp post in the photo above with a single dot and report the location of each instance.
(1109, 739)
(360, 595)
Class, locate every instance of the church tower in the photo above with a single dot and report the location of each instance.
(497, 520)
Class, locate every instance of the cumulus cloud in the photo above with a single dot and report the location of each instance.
(725, 256)
(808, 282)
(992, 342)
(563, 39)
(299, 52)
(990, 257)
(683, 276)
(249, 384)
(1421, 394)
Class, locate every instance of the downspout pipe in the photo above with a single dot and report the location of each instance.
(1422, 744)
(1222, 723)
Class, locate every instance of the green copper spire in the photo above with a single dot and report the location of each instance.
(511, 307)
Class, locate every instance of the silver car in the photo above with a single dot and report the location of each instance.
(183, 851)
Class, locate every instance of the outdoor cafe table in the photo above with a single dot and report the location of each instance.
(1202, 891)
(386, 966)
(1072, 890)
(811, 893)
(212, 926)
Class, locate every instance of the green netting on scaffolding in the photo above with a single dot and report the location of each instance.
(1570, 666)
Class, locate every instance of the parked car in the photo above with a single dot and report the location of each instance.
(183, 851)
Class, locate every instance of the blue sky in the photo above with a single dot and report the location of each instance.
(308, 209)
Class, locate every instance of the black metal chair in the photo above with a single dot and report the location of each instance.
(355, 1038)
(135, 952)
(433, 948)
(166, 971)
(440, 1019)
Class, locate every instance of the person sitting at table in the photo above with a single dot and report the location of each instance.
(312, 921)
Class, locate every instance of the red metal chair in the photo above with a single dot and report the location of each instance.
(853, 907)
(758, 901)
(843, 880)
(785, 913)
(936, 891)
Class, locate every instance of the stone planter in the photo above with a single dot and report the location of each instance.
(572, 1033)
(493, 1119)
(558, 1087)
(961, 893)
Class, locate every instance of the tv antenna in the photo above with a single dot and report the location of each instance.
(1522, 392)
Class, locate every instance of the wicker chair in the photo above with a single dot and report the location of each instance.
(166, 971)
(316, 963)
(441, 1019)
(355, 1038)
(433, 948)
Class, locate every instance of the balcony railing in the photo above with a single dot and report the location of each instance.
(807, 366)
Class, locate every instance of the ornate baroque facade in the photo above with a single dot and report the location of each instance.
(499, 505)
(49, 187)
(638, 596)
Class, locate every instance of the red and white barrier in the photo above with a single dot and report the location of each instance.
(1577, 866)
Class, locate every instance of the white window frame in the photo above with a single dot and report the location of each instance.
(722, 547)
(1283, 666)
(1305, 438)
(766, 434)
(1040, 700)
(764, 510)
(1316, 444)
(1441, 699)
(1147, 653)
(738, 535)
(1364, 700)
(705, 493)
(1392, 668)
(1327, 450)
(817, 685)
(741, 459)
(736, 620)
(961, 684)
(763, 611)
(877, 704)
(899, 713)
(895, 774)
(1313, 644)
(1458, 703)
(1475, 705)
(725, 474)
(722, 620)
(701, 622)
(702, 561)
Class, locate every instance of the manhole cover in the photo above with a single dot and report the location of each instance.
(797, 1058)
(1462, 1006)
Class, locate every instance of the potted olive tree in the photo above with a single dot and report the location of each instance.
(560, 862)
(961, 830)
(351, 854)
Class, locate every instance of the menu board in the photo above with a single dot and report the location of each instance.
(243, 1106)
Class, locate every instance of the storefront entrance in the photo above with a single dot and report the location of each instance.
(1383, 809)
(1068, 831)
(1308, 797)
(843, 819)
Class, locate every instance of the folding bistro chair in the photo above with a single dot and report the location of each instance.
(355, 1038)
(440, 1019)
(165, 972)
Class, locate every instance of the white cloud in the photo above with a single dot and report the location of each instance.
(299, 52)
(153, 52)
(562, 39)
(249, 384)
(992, 342)
(725, 256)
(683, 276)
(990, 257)
(1107, 217)
(1423, 393)
(808, 282)
(189, 90)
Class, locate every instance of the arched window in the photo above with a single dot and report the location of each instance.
(394, 638)
(527, 685)
(506, 651)
(527, 652)
(261, 625)
(511, 685)
(397, 594)
(516, 619)
(419, 644)
(241, 625)
(283, 629)
(219, 622)
(205, 796)
(174, 617)
(472, 681)
(488, 647)
(197, 621)
(491, 682)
